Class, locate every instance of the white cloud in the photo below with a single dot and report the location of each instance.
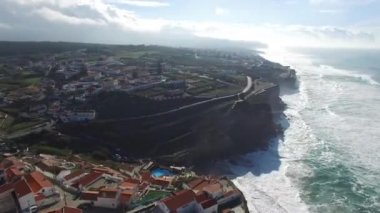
(221, 11)
(56, 16)
(106, 20)
(140, 3)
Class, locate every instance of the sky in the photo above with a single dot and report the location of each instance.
(285, 23)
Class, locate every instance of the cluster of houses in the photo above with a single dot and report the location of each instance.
(24, 189)
(32, 183)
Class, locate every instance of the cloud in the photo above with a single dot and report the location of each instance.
(56, 16)
(100, 21)
(221, 11)
(140, 3)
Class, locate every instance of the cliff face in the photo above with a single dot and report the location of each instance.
(215, 130)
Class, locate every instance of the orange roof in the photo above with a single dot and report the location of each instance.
(128, 185)
(22, 188)
(89, 195)
(73, 174)
(88, 179)
(180, 199)
(36, 180)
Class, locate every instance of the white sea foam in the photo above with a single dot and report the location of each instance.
(333, 124)
(271, 185)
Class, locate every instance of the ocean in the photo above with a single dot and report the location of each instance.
(329, 157)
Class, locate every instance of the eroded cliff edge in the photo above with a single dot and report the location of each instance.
(217, 129)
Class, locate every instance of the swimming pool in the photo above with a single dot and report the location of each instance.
(159, 172)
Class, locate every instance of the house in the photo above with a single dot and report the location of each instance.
(24, 195)
(39, 184)
(67, 210)
(214, 190)
(181, 202)
(108, 198)
(208, 204)
(87, 180)
(72, 177)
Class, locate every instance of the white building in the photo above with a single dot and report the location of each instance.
(24, 195)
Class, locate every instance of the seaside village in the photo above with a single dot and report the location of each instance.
(50, 184)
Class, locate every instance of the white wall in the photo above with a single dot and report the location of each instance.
(48, 191)
(106, 202)
(27, 201)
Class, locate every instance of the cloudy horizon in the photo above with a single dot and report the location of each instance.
(305, 23)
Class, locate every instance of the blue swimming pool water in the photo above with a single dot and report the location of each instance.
(159, 172)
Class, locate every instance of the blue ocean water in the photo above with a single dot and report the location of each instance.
(329, 158)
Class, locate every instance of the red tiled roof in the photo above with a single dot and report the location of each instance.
(201, 197)
(208, 203)
(180, 199)
(36, 180)
(88, 179)
(22, 188)
(6, 187)
(73, 174)
(89, 195)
